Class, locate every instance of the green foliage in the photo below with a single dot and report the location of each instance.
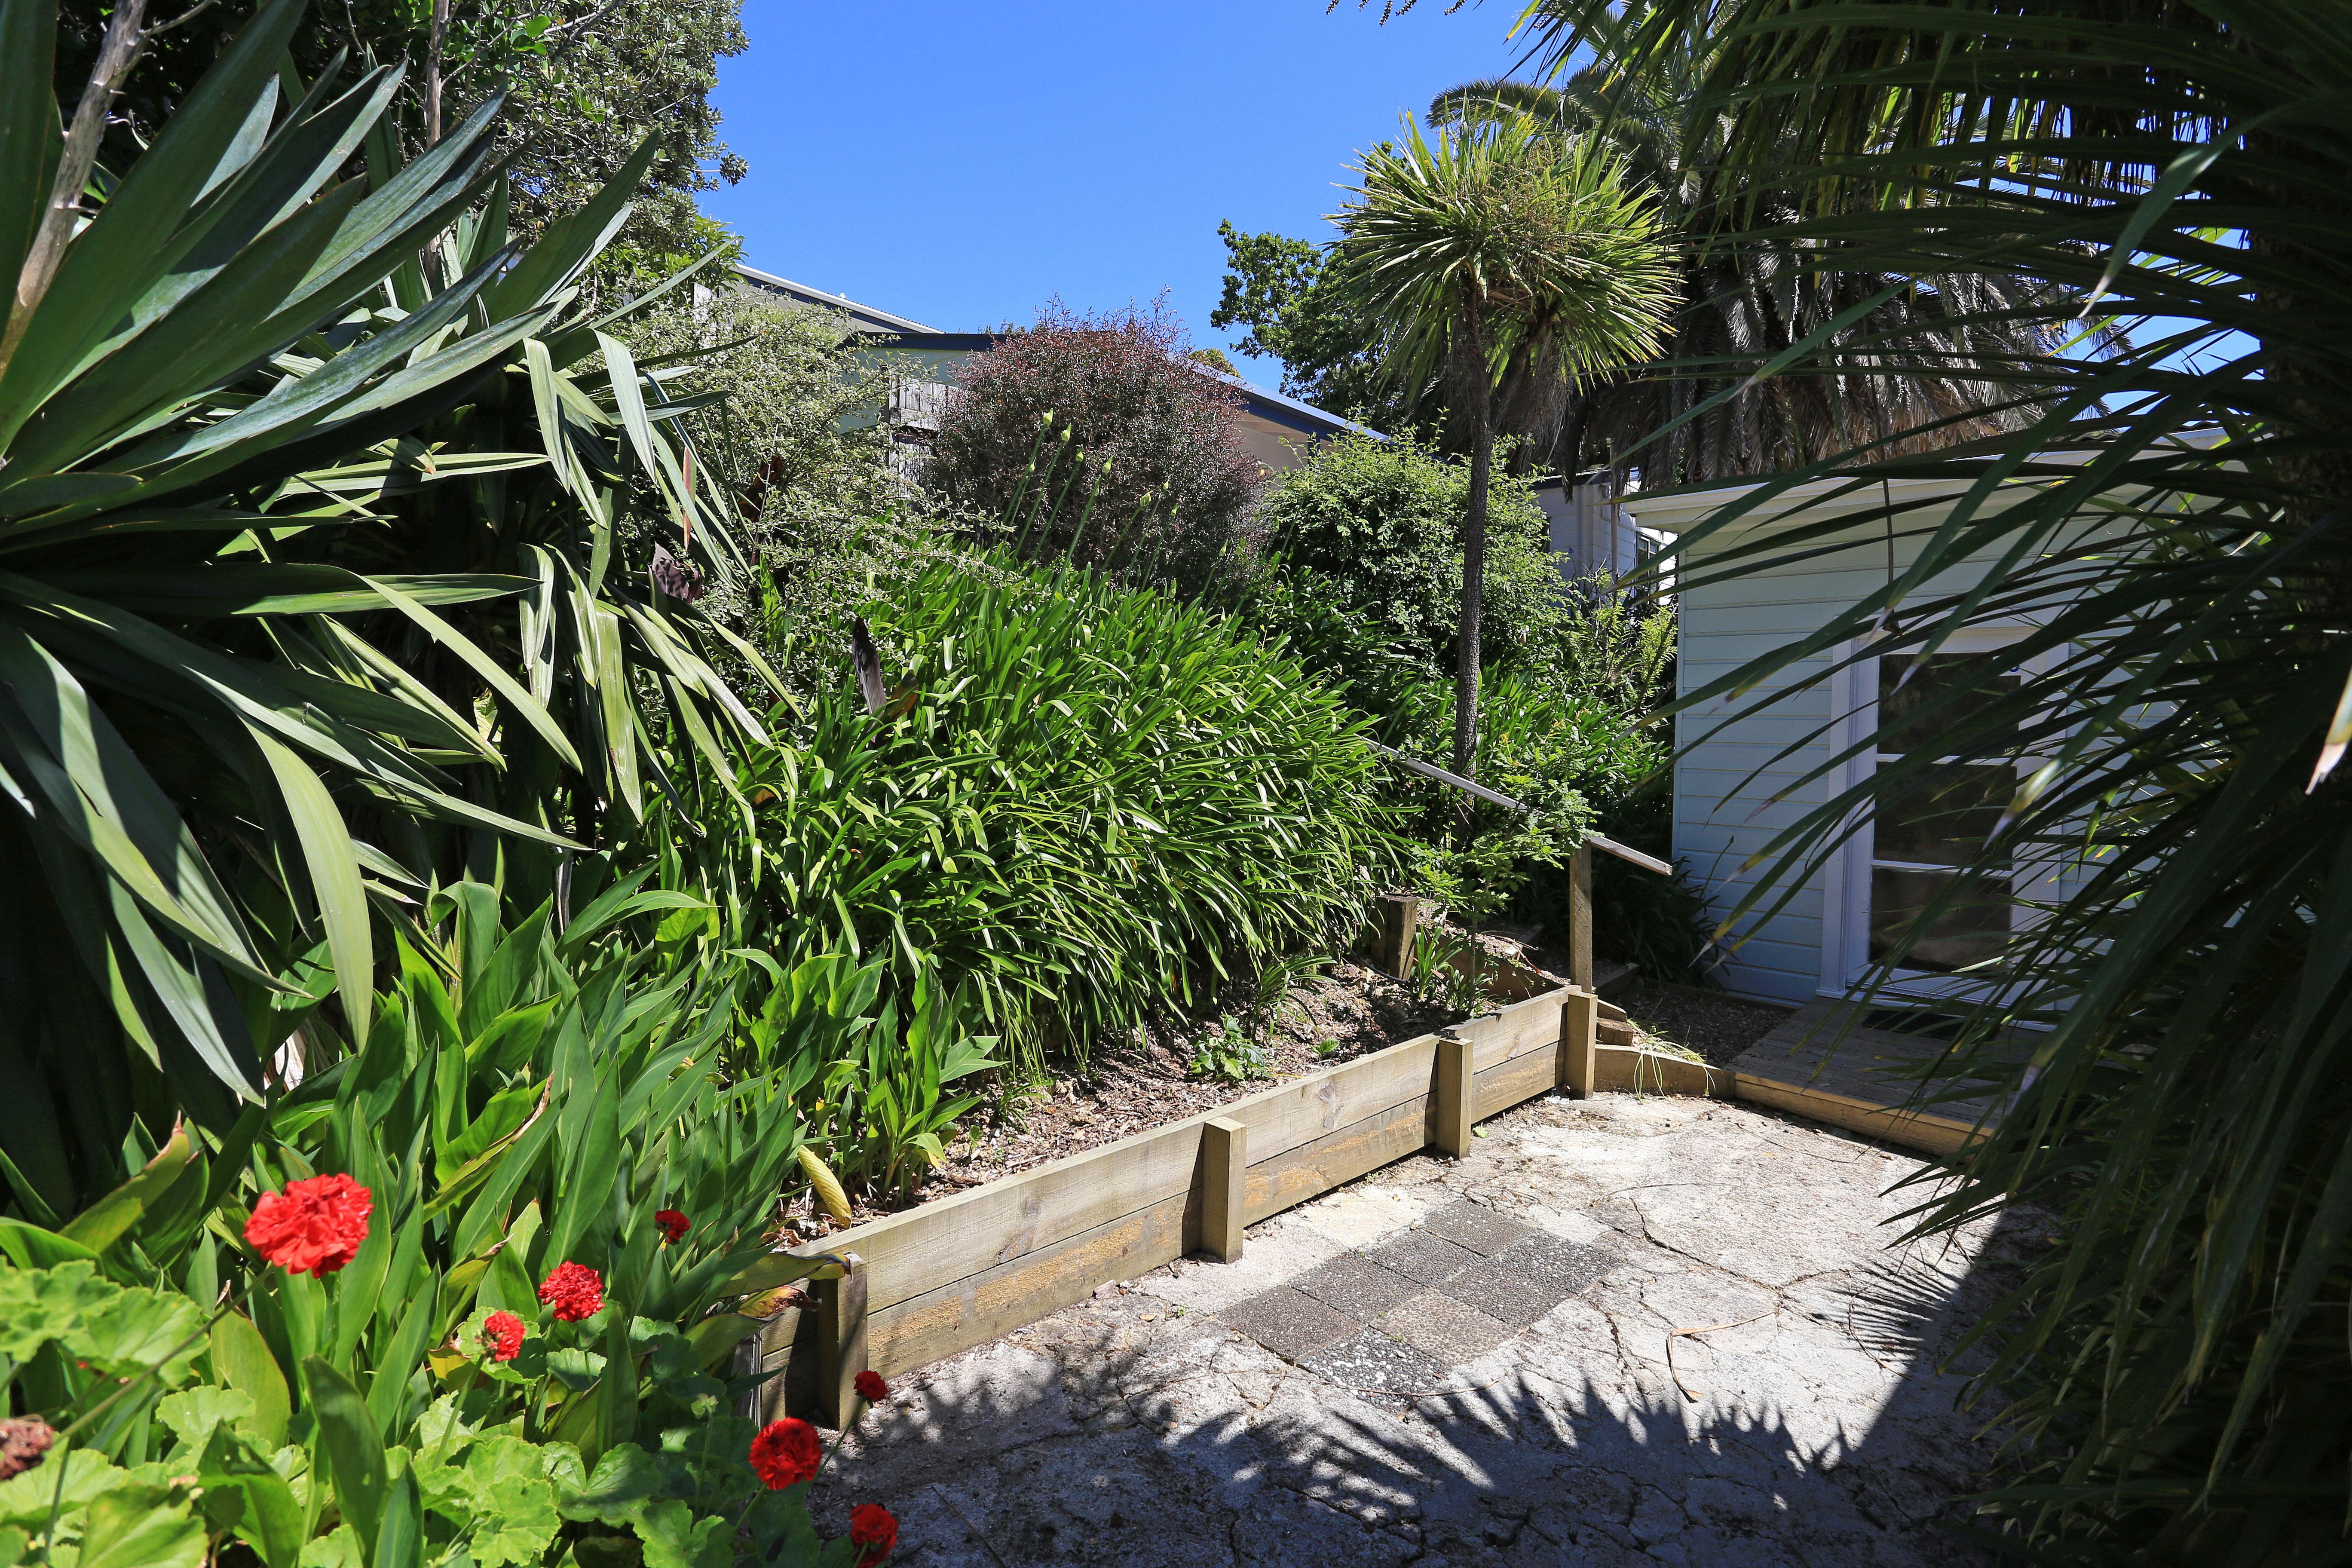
(1083, 801)
(872, 1089)
(1373, 532)
(283, 578)
(529, 1095)
(1504, 256)
(1616, 646)
(1228, 1054)
(585, 83)
(1283, 291)
(1918, 355)
(778, 407)
(2175, 1363)
(1365, 540)
(775, 401)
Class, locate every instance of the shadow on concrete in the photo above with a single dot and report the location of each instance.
(1121, 1433)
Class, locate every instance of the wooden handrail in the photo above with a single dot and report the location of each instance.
(1430, 770)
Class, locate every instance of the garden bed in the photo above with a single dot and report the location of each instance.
(1709, 1024)
(1332, 1018)
(1323, 1021)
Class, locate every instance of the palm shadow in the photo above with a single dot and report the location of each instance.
(1119, 1433)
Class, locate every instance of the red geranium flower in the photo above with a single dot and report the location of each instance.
(501, 1336)
(871, 1526)
(870, 1387)
(786, 1452)
(574, 1291)
(314, 1226)
(673, 1223)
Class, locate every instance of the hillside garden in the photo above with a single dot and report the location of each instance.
(505, 797)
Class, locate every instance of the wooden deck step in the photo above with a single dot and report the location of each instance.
(1825, 1062)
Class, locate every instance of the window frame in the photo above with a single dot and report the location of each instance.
(1846, 902)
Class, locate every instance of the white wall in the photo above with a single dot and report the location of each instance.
(1724, 782)
(1729, 772)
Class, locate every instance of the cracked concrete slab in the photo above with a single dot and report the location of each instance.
(1743, 1371)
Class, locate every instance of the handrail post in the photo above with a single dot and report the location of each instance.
(1580, 918)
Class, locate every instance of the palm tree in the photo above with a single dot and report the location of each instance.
(2176, 1362)
(1920, 384)
(1498, 254)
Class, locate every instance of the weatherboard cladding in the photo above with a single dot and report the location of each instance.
(1729, 773)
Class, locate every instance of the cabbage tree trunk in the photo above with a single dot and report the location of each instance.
(1474, 387)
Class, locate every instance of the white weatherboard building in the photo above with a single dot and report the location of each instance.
(1820, 942)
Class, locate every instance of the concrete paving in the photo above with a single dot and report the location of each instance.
(1621, 1330)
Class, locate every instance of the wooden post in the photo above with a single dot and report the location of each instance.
(1454, 1094)
(1580, 918)
(1224, 1182)
(1579, 1029)
(1399, 912)
(840, 1342)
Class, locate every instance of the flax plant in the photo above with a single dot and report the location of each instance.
(1082, 803)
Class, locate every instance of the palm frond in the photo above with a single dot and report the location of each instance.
(2167, 532)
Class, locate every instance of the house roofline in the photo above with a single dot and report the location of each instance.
(1674, 511)
(867, 318)
(1304, 418)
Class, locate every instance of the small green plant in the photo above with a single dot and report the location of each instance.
(1274, 984)
(1229, 1055)
(1326, 1048)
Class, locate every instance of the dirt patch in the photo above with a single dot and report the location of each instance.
(1718, 1027)
(1322, 1021)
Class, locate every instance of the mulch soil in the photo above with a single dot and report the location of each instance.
(1718, 1027)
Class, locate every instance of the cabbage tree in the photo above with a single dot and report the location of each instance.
(1499, 251)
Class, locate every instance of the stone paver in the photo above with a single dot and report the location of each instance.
(1450, 1331)
(1371, 1360)
(1477, 1227)
(1419, 1256)
(1290, 1323)
(1355, 1285)
(1218, 1415)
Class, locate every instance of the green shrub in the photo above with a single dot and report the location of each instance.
(1167, 474)
(1083, 802)
(1583, 764)
(1377, 525)
(1367, 590)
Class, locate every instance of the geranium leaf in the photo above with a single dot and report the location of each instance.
(139, 1527)
(625, 1479)
(38, 1305)
(137, 1330)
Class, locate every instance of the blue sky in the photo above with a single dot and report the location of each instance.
(962, 163)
